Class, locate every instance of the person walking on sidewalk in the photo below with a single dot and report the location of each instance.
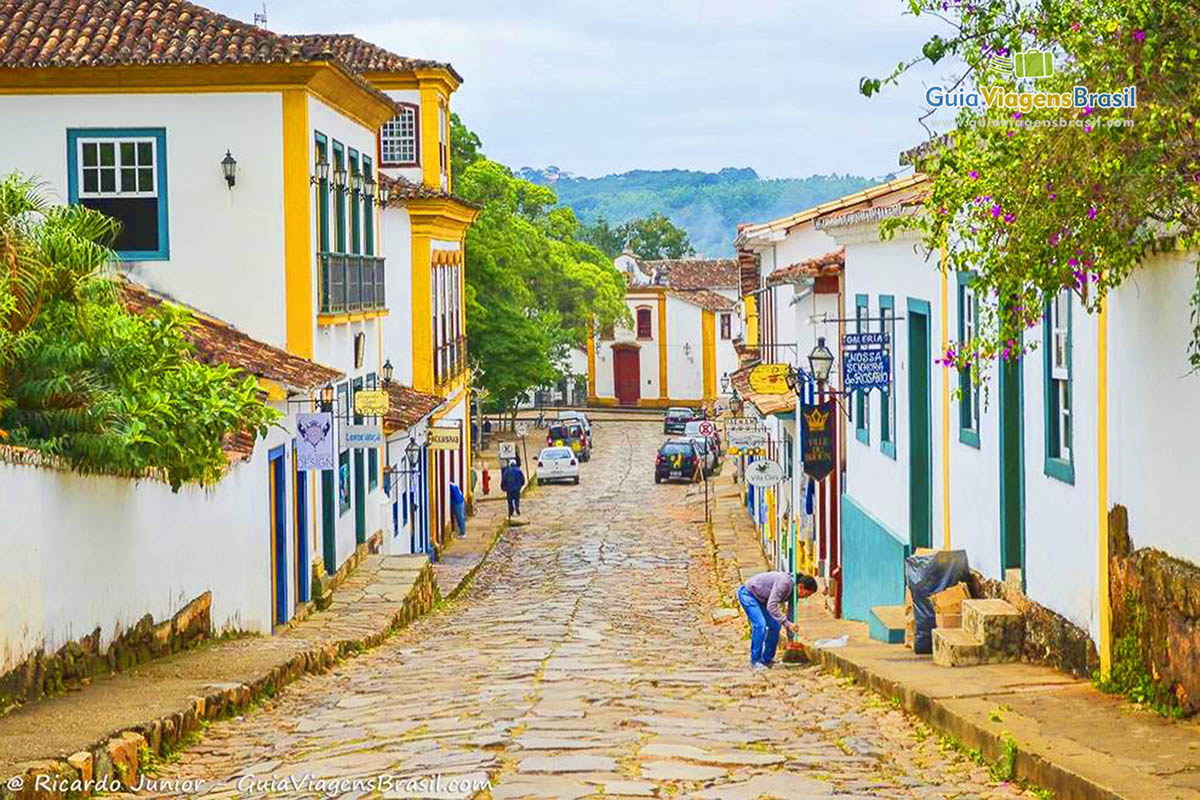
(763, 598)
(512, 480)
(458, 509)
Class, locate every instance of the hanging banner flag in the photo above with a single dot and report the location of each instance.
(314, 441)
(817, 444)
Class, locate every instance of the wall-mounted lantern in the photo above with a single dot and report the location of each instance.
(229, 168)
(322, 173)
(340, 179)
(387, 370)
(369, 187)
(327, 397)
(383, 195)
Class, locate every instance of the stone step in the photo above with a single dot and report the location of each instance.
(997, 625)
(954, 647)
(886, 624)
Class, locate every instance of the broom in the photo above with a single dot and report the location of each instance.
(793, 652)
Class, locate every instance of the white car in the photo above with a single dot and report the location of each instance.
(557, 464)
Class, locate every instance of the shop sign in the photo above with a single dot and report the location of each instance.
(371, 402)
(770, 378)
(444, 438)
(817, 443)
(314, 441)
(763, 473)
(362, 436)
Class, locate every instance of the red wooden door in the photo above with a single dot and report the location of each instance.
(627, 376)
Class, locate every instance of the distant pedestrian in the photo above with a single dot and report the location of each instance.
(512, 480)
(763, 598)
(487, 481)
(458, 509)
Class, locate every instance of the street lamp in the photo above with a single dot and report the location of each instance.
(356, 182)
(412, 453)
(229, 168)
(327, 397)
(340, 178)
(820, 361)
(383, 195)
(387, 372)
(725, 383)
(322, 173)
(369, 187)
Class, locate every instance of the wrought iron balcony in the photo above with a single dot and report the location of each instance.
(351, 283)
(450, 360)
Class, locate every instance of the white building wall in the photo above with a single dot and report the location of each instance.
(226, 244)
(1154, 397)
(396, 235)
(102, 551)
(685, 350)
(802, 243)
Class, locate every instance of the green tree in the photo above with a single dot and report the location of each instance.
(655, 237)
(464, 148)
(601, 235)
(533, 287)
(83, 379)
(1038, 200)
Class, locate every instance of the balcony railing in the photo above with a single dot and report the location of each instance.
(351, 283)
(450, 360)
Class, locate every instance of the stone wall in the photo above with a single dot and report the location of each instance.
(1167, 591)
(1050, 638)
(78, 661)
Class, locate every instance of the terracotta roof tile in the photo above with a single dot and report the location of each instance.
(403, 189)
(830, 263)
(218, 342)
(362, 56)
(705, 299)
(406, 406)
(696, 273)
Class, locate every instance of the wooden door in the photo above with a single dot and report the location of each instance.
(627, 377)
(920, 445)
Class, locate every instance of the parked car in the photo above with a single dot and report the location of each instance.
(581, 418)
(693, 429)
(569, 434)
(557, 464)
(708, 455)
(677, 460)
(677, 419)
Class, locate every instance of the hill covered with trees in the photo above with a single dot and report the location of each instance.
(707, 205)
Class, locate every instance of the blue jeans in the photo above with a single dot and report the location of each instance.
(764, 630)
(460, 517)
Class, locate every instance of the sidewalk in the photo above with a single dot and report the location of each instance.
(1060, 732)
(106, 729)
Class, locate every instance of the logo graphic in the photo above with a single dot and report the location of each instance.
(817, 419)
(1029, 64)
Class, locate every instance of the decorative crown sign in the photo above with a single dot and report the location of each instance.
(817, 419)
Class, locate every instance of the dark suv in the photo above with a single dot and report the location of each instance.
(677, 420)
(677, 460)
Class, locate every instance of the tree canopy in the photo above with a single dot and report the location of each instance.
(1033, 199)
(83, 379)
(655, 237)
(533, 286)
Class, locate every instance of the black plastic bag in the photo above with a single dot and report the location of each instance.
(927, 575)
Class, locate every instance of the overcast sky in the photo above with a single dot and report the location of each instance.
(609, 86)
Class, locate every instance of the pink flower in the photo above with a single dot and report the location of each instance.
(996, 212)
(1009, 217)
(1139, 36)
(1087, 110)
(1075, 26)
(1092, 212)
(974, 175)
(1016, 115)
(1087, 128)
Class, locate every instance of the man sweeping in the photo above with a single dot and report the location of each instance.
(763, 597)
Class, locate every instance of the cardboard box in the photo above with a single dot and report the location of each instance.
(949, 620)
(949, 601)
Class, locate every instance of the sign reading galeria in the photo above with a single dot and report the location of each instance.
(439, 438)
(763, 473)
(314, 441)
(817, 443)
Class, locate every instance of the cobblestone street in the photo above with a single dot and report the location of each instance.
(583, 660)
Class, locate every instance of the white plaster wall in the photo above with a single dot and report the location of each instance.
(100, 551)
(226, 245)
(876, 481)
(1154, 397)
(1061, 534)
(801, 243)
(396, 233)
(685, 350)
(397, 539)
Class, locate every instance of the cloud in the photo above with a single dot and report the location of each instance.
(627, 84)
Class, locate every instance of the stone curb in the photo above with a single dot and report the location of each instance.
(1028, 766)
(122, 755)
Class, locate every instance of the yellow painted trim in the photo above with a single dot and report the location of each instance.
(750, 304)
(591, 360)
(350, 316)
(708, 347)
(422, 313)
(324, 79)
(431, 100)
(662, 346)
(449, 405)
(297, 224)
(273, 389)
(1102, 584)
(945, 406)
(440, 77)
(442, 218)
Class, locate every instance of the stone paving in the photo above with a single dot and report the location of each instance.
(581, 661)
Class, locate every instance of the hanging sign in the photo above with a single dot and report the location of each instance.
(371, 402)
(362, 436)
(314, 441)
(444, 438)
(763, 473)
(770, 378)
(747, 440)
(817, 443)
(742, 424)
(865, 370)
(866, 340)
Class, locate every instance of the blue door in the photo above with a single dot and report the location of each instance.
(279, 561)
(301, 508)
